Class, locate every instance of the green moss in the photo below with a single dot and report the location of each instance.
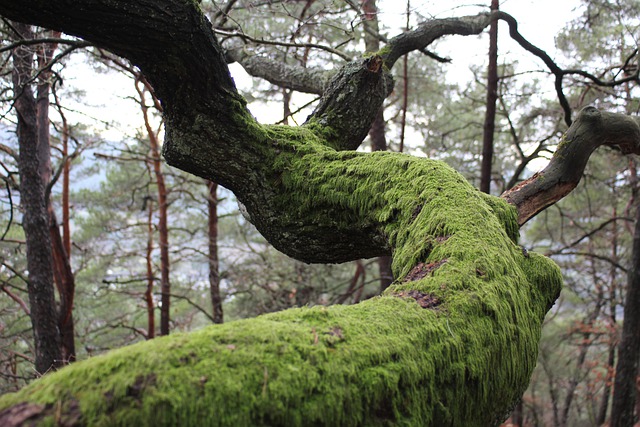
(386, 361)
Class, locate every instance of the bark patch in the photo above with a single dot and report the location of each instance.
(425, 300)
(334, 336)
(422, 270)
(142, 382)
(31, 414)
(22, 414)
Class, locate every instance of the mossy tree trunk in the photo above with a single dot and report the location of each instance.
(452, 342)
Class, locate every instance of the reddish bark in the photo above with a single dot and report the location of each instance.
(163, 229)
(148, 295)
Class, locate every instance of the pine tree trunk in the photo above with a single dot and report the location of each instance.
(624, 391)
(490, 113)
(35, 220)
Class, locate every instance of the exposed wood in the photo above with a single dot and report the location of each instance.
(591, 129)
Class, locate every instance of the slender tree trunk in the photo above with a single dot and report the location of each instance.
(214, 263)
(35, 220)
(65, 282)
(163, 229)
(405, 85)
(148, 294)
(68, 325)
(601, 416)
(63, 275)
(624, 392)
(517, 416)
(163, 239)
(66, 176)
(490, 114)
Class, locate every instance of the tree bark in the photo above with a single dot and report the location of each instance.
(35, 220)
(214, 263)
(625, 391)
(148, 294)
(377, 133)
(62, 273)
(163, 229)
(490, 112)
(591, 129)
(453, 341)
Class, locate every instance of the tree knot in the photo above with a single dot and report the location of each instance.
(374, 63)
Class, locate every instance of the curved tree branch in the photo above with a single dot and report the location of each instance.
(591, 129)
(301, 79)
(246, 37)
(453, 341)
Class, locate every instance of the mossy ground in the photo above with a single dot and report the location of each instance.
(464, 360)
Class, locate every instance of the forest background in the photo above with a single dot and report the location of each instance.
(138, 233)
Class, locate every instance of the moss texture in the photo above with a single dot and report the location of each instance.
(465, 359)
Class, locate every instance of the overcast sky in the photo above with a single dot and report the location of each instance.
(539, 21)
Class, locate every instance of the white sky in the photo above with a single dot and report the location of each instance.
(539, 21)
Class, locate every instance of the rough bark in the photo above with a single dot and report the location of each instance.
(35, 220)
(591, 129)
(62, 273)
(309, 80)
(454, 341)
(625, 387)
(490, 111)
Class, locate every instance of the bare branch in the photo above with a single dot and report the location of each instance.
(309, 80)
(54, 40)
(590, 130)
(284, 44)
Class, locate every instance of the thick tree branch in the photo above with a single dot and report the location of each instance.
(429, 31)
(592, 129)
(453, 341)
(308, 80)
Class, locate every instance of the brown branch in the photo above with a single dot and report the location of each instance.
(17, 299)
(591, 129)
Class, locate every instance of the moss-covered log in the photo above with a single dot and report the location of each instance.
(452, 342)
